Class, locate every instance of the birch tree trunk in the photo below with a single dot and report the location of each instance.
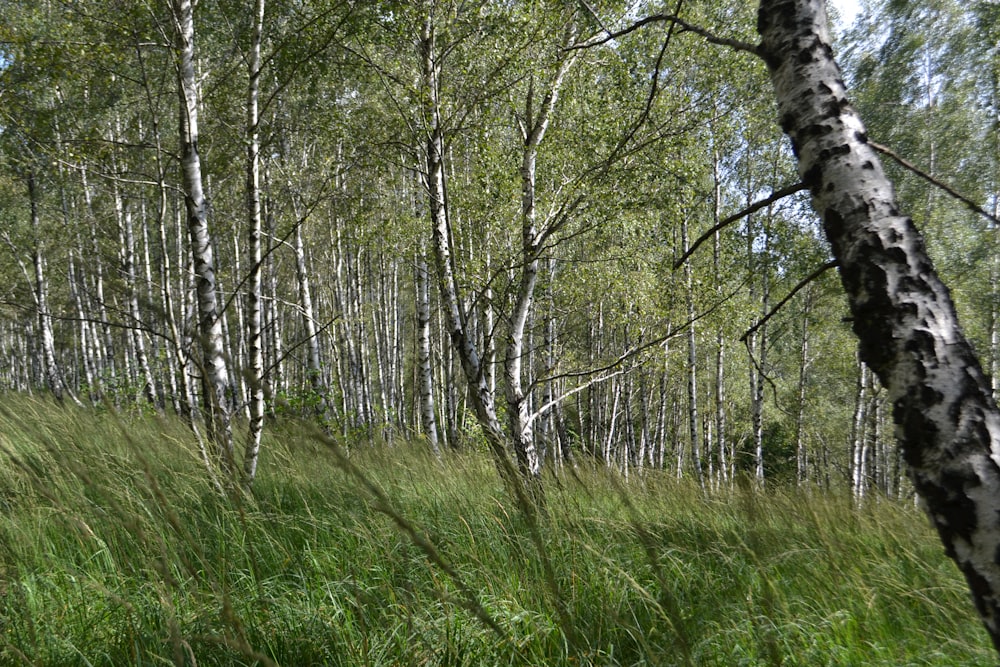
(801, 456)
(694, 425)
(107, 345)
(533, 127)
(53, 377)
(126, 233)
(858, 424)
(215, 375)
(254, 284)
(483, 400)
(425, 373)
(945, 415)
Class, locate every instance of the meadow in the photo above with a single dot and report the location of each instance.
(116, 550)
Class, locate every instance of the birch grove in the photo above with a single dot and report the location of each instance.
(449, 221)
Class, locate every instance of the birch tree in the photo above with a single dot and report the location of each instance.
(946, 417)
(255, 225)
(214, 372)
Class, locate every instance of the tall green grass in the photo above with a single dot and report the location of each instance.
(114, 550)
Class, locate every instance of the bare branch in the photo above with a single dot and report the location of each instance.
(752, 208)
(909, 166)
(689, 27)
(802, 283)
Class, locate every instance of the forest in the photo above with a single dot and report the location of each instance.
(443, 286)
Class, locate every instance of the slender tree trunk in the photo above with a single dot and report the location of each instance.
(694, 425)
(720, 336)
(455, 320)
(945, 414)
(858, 423)
(801, 459)
(255, 378)
(53, 376)
(126, 232)
(533, 128)
(425, 372)
(108, 368)
(215, 375)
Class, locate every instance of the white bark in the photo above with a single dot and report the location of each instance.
(694, 425)
(254, 284)
(483, 401)
(53, 377)
(126, 231)
(425, 373)
(801, 456)
(533, 128)
(215, 375)
(943, 407)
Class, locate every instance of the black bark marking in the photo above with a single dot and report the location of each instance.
(832, 220)
(835, 107)
(959, 511)
(817, 130)
(827, 153)
(921, 345)
(813, 178)
(930, 396)
(981, 590)
(896, 255)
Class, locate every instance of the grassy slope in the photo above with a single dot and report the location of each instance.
(114, 551)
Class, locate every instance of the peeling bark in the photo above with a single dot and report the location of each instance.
(945, 415)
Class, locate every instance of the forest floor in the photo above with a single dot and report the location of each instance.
(114, 550)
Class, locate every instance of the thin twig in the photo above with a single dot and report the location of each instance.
(752, 208)
(802, 283)
(710, 37)
(909, 166)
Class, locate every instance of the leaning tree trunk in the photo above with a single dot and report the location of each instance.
(946, 417)
(215, 375)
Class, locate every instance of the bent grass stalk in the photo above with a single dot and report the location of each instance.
(115, 549)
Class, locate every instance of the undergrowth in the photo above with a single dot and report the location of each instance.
(115, 550)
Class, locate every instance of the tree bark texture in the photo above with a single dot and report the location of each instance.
(47, 339)
(944, 411)
(215, 375)
(533, 128)
(255, 284)
(483, 401)
(425, 370)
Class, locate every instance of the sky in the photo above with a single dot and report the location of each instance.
(848, 9)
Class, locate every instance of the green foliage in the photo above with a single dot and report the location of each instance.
(116, 551)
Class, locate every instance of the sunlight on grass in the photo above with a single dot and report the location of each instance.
(115, 550)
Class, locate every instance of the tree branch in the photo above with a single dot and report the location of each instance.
(802, 283)
(708, 36)
(909, 166)
(752, 208)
